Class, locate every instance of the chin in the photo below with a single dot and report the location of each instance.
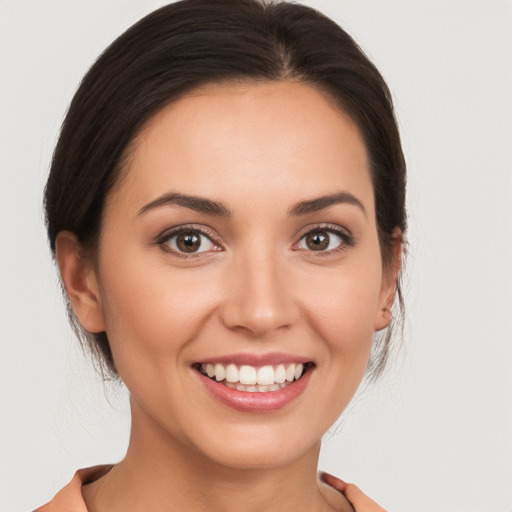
(263, 447)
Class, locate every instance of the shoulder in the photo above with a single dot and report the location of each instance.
(357, 500)
(333, 491)
(69, 498)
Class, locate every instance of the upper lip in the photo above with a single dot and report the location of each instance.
(257, 360)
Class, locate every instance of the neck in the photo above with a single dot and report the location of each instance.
(160, 472)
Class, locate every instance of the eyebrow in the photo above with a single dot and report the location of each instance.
(196, 203)
(217, 209)
(321, 203)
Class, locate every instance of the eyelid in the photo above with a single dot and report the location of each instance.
(162, 239)
(344, 233)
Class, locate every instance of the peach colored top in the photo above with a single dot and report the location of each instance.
(69, 499)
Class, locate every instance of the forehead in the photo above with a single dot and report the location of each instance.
(278, 136)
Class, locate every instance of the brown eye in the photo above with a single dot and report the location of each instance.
(188, 242)
(323, 240)
(318, 241)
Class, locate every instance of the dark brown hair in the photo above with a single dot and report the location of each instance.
(194, 42)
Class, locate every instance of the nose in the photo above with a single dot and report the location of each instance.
(259, 295)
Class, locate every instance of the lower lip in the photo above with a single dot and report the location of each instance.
(256, 402)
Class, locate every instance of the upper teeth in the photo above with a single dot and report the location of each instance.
(250, 375)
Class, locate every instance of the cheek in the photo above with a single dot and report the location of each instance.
(343, 310)
(152, 313)
(339, 314)
(342, 313)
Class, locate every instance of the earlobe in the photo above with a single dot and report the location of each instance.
(382, 319)
(79, 278)
(389, 284)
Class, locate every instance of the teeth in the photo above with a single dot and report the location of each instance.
(257, 388)
(220, 372)
(249, 378)
(247, 375)
(266, 375)
(280, 375)
(232, 373)
(210, 370)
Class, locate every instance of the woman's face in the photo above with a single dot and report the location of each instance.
(241, 240)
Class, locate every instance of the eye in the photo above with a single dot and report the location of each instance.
(324, 240)
(187, 241)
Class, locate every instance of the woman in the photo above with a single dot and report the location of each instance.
(226, 207)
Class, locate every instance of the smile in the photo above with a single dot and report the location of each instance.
(252, 379)
(255, 383)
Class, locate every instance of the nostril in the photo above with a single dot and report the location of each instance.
(257, 324)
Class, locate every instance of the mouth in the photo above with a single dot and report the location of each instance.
(254, 379)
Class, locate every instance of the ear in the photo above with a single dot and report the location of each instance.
(389, 283)
(80, 282)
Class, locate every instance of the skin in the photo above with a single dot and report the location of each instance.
(257, 287)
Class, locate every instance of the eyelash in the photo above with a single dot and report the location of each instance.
(163, 240)
(347, 240)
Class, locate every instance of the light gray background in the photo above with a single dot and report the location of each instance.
(435, 434)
